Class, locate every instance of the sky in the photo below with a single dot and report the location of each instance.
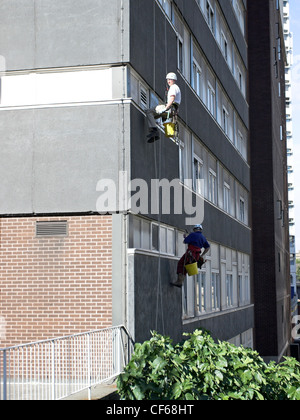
(295, 29)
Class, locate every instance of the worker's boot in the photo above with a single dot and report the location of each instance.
(180, 281)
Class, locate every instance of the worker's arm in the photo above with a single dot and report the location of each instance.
(205, 251)
(187, 239)
(170, 103)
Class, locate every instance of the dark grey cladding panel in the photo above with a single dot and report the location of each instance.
(158, 306)
(200, 30)
(153, 47)
(161, 160)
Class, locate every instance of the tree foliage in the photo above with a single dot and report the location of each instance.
(201, 369)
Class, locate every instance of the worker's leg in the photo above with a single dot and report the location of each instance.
(180, 266)
(181, 271)
(153, 130)
(151, 118)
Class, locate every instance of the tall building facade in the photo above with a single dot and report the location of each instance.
(270, 203)
(76, 252)
(288, 36)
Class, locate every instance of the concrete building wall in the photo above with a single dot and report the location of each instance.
(43, 34)
(58, 144)
(53, 158)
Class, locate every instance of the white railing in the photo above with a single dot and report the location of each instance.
(57, 368)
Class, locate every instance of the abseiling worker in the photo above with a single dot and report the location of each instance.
(164, 111)
(196, 241)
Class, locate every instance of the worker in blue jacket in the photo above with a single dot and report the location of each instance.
(196, 241)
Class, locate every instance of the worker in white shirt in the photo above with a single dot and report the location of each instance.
(164, 111)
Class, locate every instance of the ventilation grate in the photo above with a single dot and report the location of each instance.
(51, 229)
(143, 97)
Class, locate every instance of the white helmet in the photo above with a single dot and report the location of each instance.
(171, 76)
(198, 227)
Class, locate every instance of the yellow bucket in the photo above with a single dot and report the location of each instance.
(169, 129)
(192, 269)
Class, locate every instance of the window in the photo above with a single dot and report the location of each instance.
(155, 237)
(222, 284)
(247, 290)
(198, 176)
(224, 46)
(242, 210)
(225, 119)
(239, 11)
(151, 236)
(167, 240)
(212, 185)
(171, 242)
(276, 69)
(226, 198)
(240, 80)
(241, 290)
(229, 290)
(215, 291)
(241, 144)
(211, 99)
(210, 15)
(145, 234)
(180, 54)
(167, 6)
(183, 47)
(200, 283)
(244, 279)
(197, 78)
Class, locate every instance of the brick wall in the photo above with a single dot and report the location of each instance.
(53, 286)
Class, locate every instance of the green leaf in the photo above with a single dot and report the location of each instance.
(246, 376)
(137, 392)
(259, 396)
(159, 364)
(189, 397)
(177, 390)
(219, 375)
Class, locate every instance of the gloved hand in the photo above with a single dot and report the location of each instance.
(162, 109)
(201, 262)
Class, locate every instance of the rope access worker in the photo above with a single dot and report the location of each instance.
(167, 111)
(196, 241)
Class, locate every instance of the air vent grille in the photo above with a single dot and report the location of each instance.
(144, 97)
(46, 229)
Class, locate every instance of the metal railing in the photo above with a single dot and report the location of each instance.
(57, 368)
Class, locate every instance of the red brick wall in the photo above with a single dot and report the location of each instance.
(54, 286)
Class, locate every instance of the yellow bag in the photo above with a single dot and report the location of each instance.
(169, 129)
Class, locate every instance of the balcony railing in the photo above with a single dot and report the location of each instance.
(57, 368)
